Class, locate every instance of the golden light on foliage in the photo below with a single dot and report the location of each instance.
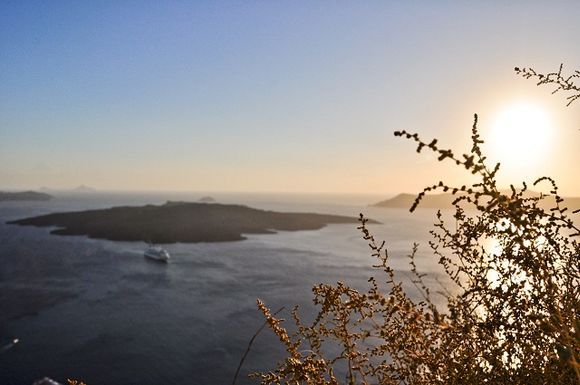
(520, 136)
(512, 311)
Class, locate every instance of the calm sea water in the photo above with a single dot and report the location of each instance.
(98, 311)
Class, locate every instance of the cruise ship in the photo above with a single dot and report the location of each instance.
(157, 253)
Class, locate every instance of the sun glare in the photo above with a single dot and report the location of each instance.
(520, 135)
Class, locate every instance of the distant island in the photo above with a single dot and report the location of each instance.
(180, 222)
(84, 189)
(24, 196)
(444, 201)
(206, 199)
(434, 201)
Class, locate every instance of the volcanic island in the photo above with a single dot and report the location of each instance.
(180, 222)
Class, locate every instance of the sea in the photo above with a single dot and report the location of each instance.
(98, 311)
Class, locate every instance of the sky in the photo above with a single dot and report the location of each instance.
(278, 96)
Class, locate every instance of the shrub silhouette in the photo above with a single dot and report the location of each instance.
(511, 313)
(563, 83)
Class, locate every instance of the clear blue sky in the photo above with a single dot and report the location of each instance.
(269, 96)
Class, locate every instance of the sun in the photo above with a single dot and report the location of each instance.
(520, 135)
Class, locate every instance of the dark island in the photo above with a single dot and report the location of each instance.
(445, 201)
(180, 222)
(24, 196)
(433, 201)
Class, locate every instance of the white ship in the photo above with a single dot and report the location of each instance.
(157, 253)
(46, 381)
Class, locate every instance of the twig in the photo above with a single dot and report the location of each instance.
(250, 345)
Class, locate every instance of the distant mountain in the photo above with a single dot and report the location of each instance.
(434, 201)
(24, 196)
(206, 199)
(573, 203)
(444, 201)
(83, 188)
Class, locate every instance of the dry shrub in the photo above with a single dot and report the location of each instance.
(511, 315)
(562, 83)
